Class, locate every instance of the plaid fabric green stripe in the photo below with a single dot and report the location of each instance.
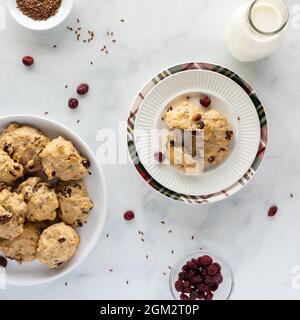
(203, 198)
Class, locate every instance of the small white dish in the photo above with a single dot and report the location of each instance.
(58, 18)
(34, 273)
(230, 100)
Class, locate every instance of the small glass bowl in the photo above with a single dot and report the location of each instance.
(226, 287)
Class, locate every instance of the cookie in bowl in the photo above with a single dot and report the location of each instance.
(12, 214)
(23, 144)
(22, 248)
(41, 199)
(60, 159)
(57, 244)
(74, 202)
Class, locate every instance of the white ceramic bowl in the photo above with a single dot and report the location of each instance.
(34, 273)
(61, 15)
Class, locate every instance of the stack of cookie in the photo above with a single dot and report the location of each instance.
(42, 196)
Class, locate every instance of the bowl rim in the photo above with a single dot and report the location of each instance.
(201, 252)
(38, 25)
(96, 238)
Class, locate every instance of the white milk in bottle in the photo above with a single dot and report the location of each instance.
(256, 30)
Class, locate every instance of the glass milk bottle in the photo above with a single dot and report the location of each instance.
(256, 30)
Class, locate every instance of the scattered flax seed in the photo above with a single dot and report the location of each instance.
(291, 195)
(143, 239)
(77, 121)
(122, 20)
(111, 270)
(172, 251)
(169, 267)
(107, 33)
(114, 41)
(90, 173)
(107, 235)
(45, 113)
(91, 63)
(164, 274)
(84, 41)
(79, 28)
(55, 46)
(66, 283)
(193, 237)
(78, 21)
(238, 118)
(127, 282)
(147, 257)
(170, 231)
(66, 86)
(162, 222)
(111, 34)
(70, 28)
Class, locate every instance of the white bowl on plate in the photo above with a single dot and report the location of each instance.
(34, 273)
(230, 100)
(58, 18)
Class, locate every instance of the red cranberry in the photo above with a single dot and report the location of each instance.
(3, 262)
(192, 265)
(214, 287)
(184, 297)
(272, 211)
(82, 89)
(203, 287)
(205, 101)
(186, 268)
(28, 61)
(178, 286)
(212, 270)
(186, 287)
(196, 280)
(159, 157)
(183, 275)
(206, 260)
(210, 281)
(201, 295)
(209, 296)
(194, 295)
(73, 103)
(218, 278)
(192, 274)
(129, 215)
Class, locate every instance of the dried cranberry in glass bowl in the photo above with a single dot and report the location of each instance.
(201, 275)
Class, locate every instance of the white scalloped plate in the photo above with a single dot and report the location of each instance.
(228, 98)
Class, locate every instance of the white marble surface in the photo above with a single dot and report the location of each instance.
(157, 34)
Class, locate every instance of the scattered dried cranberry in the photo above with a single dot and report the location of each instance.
(73, 103)
(159, 157)
(3, 262)
(28, 61)
(129, 215)
(205, 101)
(272, 211)
(82, 89)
